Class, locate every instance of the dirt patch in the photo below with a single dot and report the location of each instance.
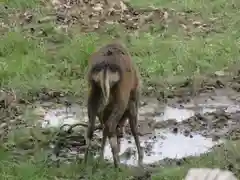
(217, 125)
(95, 15)
(183, 90)
(214, 114)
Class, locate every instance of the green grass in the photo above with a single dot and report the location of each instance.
(30, 62)
(27, 64)
(37, 167)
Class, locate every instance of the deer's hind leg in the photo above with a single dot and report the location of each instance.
(120, 129)
(92, 107)
(102, 118)
(133, 122)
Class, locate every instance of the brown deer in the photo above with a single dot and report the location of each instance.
(114, 91)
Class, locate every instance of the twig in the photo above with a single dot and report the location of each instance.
(84, 125)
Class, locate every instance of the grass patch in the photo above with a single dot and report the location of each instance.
(30, 65)
(22, 4)
(58, 61)
(37, 166)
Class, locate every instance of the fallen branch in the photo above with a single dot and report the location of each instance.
(84, 125)
(61, 141)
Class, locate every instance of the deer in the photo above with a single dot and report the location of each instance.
(114, 93)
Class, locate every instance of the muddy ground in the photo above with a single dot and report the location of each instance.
(196, 122)
(196, 114)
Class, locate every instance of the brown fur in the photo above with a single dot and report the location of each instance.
(122, 102)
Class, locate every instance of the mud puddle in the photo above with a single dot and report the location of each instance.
(157, 143)
(163, 128)
(219, 99)
(57, 117)
(163, 144)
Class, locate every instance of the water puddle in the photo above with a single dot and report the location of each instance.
(221, 99)
(55, 118)
(162, 145)
(174, 113)
(58, 117)
(152, 109)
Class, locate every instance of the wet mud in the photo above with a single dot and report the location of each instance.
(199, 122)
(196, 126)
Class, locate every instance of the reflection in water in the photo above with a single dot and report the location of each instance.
(207, 110)
(174, 113)
(58, 117)
(163, 145)
(201, 105)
